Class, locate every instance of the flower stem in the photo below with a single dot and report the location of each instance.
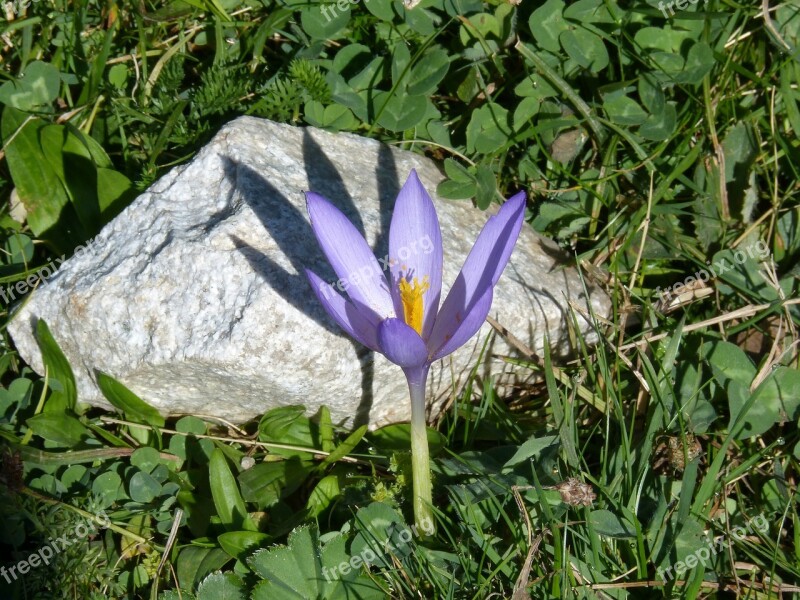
(420, 457)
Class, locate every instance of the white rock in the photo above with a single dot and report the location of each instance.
(195, 298)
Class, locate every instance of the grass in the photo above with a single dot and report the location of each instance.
(657, 151)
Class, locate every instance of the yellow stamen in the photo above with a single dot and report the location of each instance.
(411, 297)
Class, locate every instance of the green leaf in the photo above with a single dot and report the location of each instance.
(118, 76)
(535, 86)
(75, 475)
(788, 234)
(225, 491)
(488, 129)
(665, 39)
(265, 483)
(222, 586)
(84, 170)
(562, 217)
(461, 185)
(58, 369)
(438, 132)
(699, 63)
(480, 27)
(660, 126)
(588, 11)
(487, 186)
(322, 495)
(401, 59)
(741, 268)
(729, 362)
(787, 17)
(305, 569)
(585, 48)
(625, 111)
(190, 447)
(60, 428)
(456, 190)
(419, 19)
(18, 394)
(324, 21)
(381, 9)
(143, 487)
(740, 147)
(38, 185)
(114, 192)
(531, 448)
(345, 448)
(607, 523)
(399, 112)
(469, 87)
(397, 437)
(194, 563)
(525, 111)
(651, 94)
(374, 521)
(107, 488)
(670, 63)
(239, 544)
(777, 400)
(357, 65)
(690, 539)
(428, 72)
(547, 23)
(325, 429)
(789, 92)
(134, 408)
(190, 424)
(382, 530)
(20, 249)
(146, 459)
(286, 425)
(456, 171)
(334, 116)
(38, 86)
(459, 8)
(74, 165)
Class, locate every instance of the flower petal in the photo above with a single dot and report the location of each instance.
(361, 326)
(351, 258)
(415, 248)
(401, 344)
(467, 326)
(480, 273)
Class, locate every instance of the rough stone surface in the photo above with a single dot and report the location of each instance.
(195, 298)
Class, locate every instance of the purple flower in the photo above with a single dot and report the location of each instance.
(400, 316)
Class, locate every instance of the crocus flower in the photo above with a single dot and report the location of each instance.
(400, 316)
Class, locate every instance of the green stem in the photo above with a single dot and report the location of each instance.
(420, 457)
